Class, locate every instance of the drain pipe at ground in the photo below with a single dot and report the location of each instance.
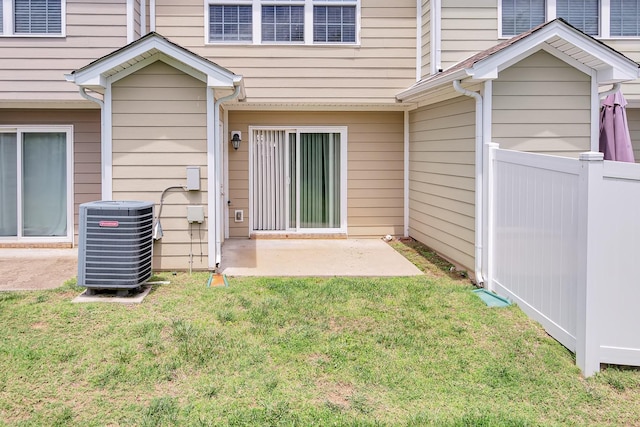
(479, 178)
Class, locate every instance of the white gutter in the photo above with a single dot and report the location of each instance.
(479, 177)
(418, 89)
(216, 187)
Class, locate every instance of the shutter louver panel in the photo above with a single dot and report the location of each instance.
(38, 16)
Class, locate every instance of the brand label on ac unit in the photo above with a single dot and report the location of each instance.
(109, 223)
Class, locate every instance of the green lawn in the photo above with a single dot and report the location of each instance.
(273, 351)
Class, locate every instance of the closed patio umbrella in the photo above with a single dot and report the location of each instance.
(615, 140)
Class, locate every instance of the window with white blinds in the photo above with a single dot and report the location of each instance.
(582, 14)
(38, 16)
(26, 18)
(625, 18)
(283, 21)
(519, 16)
(598, 18)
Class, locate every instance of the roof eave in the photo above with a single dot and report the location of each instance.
(421, 88)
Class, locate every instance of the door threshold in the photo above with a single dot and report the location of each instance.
(258, 236)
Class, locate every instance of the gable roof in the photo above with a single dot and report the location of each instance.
(148, 49)
(557, 37)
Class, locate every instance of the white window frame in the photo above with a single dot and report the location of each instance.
(68, 130)
(343, 131)
(8, 22)
(257, 21)
(550, 8)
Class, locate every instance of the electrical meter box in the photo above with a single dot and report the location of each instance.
(193, 178)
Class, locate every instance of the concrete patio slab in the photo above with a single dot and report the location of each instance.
(27, 269)
(313, 257)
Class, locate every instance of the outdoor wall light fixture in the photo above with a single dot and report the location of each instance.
(236, 138)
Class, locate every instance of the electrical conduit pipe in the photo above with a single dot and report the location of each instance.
(479, 178)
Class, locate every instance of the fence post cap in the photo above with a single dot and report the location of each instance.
(591, 156)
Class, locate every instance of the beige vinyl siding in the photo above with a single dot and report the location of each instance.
(381, 66)
(442, 178)
(375, 167)
(425, 63)
(33, 68)
(86, 147)
(160, 128)
(542, 104)
(633, 118)
(467, 28)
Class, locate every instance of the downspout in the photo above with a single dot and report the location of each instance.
(219, 189)
(406, 173)
(614, 89)
(479, 178)
(100, 102)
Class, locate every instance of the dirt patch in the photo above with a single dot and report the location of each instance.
(336, 394)
(30, 269)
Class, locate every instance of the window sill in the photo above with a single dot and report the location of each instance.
(33, 36)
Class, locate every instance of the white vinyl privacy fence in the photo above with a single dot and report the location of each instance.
(564, 244)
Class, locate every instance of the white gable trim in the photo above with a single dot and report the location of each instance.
(617, 68)
(94, 74)
(582, 52)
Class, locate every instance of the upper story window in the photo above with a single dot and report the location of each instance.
(625, 18)
(32, 17)
(283, 21)
(600, 18)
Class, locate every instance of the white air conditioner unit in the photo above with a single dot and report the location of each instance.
(115, 244)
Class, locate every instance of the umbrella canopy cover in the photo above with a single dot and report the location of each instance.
(615, 140)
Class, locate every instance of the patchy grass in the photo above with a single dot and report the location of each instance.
(273, 351)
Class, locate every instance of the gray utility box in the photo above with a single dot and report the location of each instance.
(115, 244)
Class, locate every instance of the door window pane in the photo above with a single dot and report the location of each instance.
(8, 185)
(44, 184)
(319, 180)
